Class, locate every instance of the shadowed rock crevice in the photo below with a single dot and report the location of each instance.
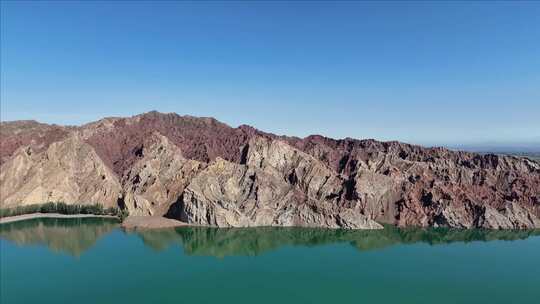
(175, 210)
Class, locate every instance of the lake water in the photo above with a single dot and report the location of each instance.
(95, 261)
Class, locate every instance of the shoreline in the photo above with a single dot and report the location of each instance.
(23, 217)
(135, 222)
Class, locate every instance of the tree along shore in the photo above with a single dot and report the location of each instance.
(61, 208)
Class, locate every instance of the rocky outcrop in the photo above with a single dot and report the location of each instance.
(204, 172)
(158, 178)
(277, 186)
(409, 185)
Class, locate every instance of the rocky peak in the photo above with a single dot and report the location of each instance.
(16, 134)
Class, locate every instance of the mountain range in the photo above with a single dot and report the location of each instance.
(204, 172)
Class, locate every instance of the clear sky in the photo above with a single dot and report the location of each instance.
(426, 72)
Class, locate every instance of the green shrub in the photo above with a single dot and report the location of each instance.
(123, 214)
(5, 213)
(48, 208)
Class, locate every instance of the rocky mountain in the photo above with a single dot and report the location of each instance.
(204, 172)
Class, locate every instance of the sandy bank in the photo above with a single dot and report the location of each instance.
(23, 217)
(151, 222)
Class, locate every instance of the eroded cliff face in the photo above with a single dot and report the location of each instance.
(158, 178)
(204, 172)
(414, 186)
(276, 186)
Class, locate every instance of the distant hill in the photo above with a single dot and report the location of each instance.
(531, 148)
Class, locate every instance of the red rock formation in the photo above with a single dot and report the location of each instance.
(23, 133)
(201, 139)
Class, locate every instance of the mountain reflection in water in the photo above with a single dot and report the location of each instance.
(69, 235)
(74, 236)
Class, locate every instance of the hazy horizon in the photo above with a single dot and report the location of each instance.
(429, 73)
(486, 146)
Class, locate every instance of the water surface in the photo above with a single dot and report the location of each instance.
(92, 260)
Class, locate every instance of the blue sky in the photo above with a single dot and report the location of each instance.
(426, 72)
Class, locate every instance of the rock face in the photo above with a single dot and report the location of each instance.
(157, 179)
(204, 172)
(277, 186)
(414, 186)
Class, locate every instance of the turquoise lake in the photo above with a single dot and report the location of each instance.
(95, 261)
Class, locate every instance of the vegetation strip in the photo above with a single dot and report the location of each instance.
(64, 209)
